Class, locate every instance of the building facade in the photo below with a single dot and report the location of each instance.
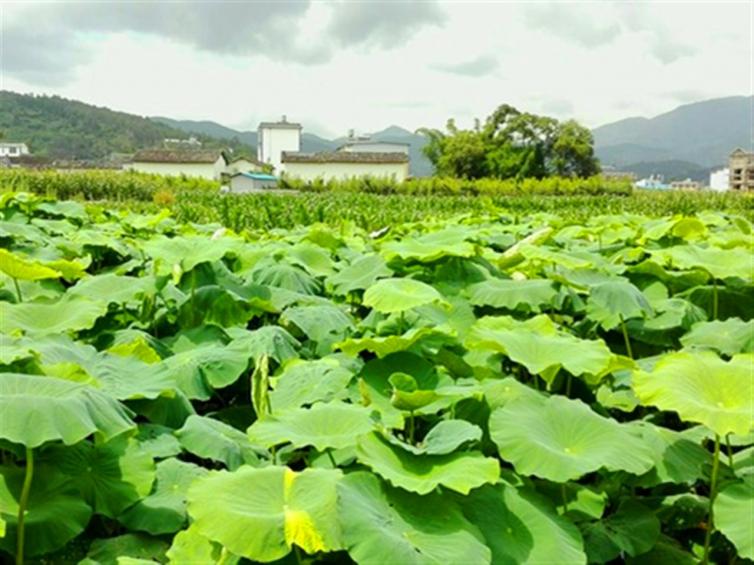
(251, 182)
(719, 181)
(687, 185)
(274, 138)
(13, 149)
(741, 166)
(342, 165)
(204, 164)
(369, 146)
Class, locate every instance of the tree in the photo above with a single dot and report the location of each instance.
(512, 144)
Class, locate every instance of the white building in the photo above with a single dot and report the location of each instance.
(204, 164)
(341, 165)
(251, 182)
(720, 180)
(13, 149)
(241, 164)
(273, 138)
(373, 146)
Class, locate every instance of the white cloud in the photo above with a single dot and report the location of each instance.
(366, 65)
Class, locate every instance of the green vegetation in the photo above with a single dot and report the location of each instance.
(513, 145)
(59, 128)
(492, 388)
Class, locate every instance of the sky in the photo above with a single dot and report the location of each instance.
(365, 65)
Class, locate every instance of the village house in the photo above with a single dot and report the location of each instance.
(210, 164)
(687, 185)
(279, 145)
(341, 165)
(251, 182)
(741, 166)
(8, 149)
(719, 180)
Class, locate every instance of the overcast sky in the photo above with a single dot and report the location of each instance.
(369, 64)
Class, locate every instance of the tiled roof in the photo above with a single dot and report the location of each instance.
(175, 156)
(279, 125)
(343, 157)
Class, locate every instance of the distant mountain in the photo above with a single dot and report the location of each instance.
(671, 169)
(420, 165)
(701, 134)
(69, 129)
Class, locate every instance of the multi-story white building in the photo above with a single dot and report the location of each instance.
(720, 180)
(273, 138)
(13, 149)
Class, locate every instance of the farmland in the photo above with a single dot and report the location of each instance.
(337, 377)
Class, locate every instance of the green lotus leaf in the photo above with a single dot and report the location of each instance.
(35, 409)
(727, 337)
(164, 510)
(406, 395)
(359, 275)
(12, 350)
(213, 304)
(449, 242)
(70, 270)
(560, 439)
(322, 324)
(280, 275)
(611, 302)
(332, 425)
(385, 345)
(54, 514)
(702, 388)
(198, 371)
(189, 546)
(540, 347)
(733, 509)
(306, 382)
(186, 252)
(399, 295)
(281, 507)
(22, 268)
(157, 441)
(445, 437)
(272, 341)
(498, 392)
(522, 527)
(69, 314)
(720, 263)
(633, 530)
(127, 378)
(460, 471)
(387, 525)
(513, 294)
(110, 476)
(212, 439)
(678, 459)
(514, 255)
(137, 546)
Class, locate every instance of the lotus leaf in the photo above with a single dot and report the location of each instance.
(399, 295)
(702, 388)
(734, 508)
(612, 302)
(387, 525)
(35, 409)
(212, 439)
(727, 337)
(513, 294)
(306, 382)
(561, 440)
(460, 471)
(521, 527)
(281, 508)
(359, 275)
(69, 314)
(331, 425)
(164, 510)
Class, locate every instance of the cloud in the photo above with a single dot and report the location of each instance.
(667, 50)
(557, 107)
(641, 18)
(49, 51)
(479, 66)
(585, 28)
(382, 24)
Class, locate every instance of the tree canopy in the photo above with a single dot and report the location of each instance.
(512, 144)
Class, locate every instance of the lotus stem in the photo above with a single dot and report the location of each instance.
(223, 556)
(712, 495)
(18, 290)
(715, 300)
(565, 497)
(411, 427)
(569, 380)
(626, 339)
(332, 459)
(729, 449)
(22, 504)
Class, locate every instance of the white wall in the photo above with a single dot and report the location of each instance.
(13, 149)
(241, 184)
(209, 171)
(273, 141)
(376, 147)
(719, 180)
(341, 171)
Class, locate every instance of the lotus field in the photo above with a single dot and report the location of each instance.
(490, 389)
